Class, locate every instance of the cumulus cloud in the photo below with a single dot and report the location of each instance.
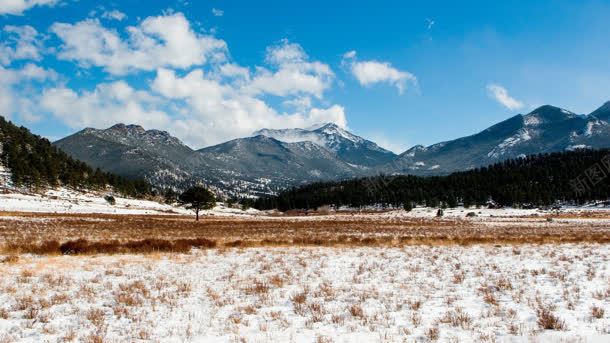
(19, 43)
(234, 71)
(198, 96)
(17, 7)
(222, 111)
(206, 106)
(162, 41)
(373, 72)
(299, 103)
(114, 15)
(350, 54)
(107, 104)
(293, 73)
(500, 94)
(217, 13)
(18, 94)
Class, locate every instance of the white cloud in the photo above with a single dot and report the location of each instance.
(17, 7)
(396, 146)
(285, 53)
(199, 101)
(163, 41)
(17, 94)
(20, 43)
(107, 104)
(500, 94)
(33, 72)
(294, 74)
(114, 15)
(217, 13)
(372, 72)
(350, 54)
(232, 70)
(224, 112)
(299, 104)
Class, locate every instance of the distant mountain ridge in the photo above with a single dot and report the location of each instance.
(30, 162)
(545, 129)
(132, 151)
(271, 160)
(255, 165)
(349, 147)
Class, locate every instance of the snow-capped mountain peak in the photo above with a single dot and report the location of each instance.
(326, 135)
(547, 114)
(353, 148)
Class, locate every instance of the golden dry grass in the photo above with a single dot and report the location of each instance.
(104, 233)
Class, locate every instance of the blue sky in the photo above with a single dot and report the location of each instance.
(401, 73)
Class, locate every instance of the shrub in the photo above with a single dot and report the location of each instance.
(597, 312)
(548, 321)
(110, 199)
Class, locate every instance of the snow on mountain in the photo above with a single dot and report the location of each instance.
(348, 146)
(273, 159)
(328, 135)
(545, 129)
(523, 135)
(132, 151)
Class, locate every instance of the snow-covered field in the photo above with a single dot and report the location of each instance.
(69, 201)
(415, 293)
(339, 276)
(65, 201)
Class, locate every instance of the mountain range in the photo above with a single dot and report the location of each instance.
(545, 129)
(264, 163)
(271, 160)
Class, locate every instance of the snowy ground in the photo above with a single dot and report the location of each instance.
(68, 201)
(75, 202)
(415, 293)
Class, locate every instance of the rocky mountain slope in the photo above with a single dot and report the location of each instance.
(30, 163)
(131, 151)
(247, 166)
(347, 146)
(261, 164)
(546, 129)
(272, 160)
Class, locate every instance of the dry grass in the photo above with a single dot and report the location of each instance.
(597, 312)
(102, 233)
(84, 247)
(348, 294)
(547, 320)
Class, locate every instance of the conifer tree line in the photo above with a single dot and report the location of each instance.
(537, 180)
(34, 162)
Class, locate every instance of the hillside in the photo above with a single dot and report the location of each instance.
(273, 160)
(347, 146)
(535, 180)
(257, 165)
(268, 164)
(31, 161)
(544, 130)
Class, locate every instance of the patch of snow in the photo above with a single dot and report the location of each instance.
(327, 135)
(69, 201)
(592, 125)
(531, 120)
(349, 295)
(315, 172)
(523, 135)
(577, 147)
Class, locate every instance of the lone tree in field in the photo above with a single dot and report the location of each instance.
(197, 198)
